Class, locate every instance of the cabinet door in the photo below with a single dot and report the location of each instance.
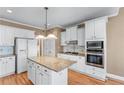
(38, 76)
(49, 47)
(45, 79)
(32, 48)
(81, 64)
(10, 66)
(29, 70)
(89, 30)
(81, 36)
(10, 36)
(33, 73)
(73, 33)
(63, 38)
(68, 37)
(1, 66)
(100, 28)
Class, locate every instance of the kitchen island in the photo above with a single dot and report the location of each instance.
(45, 70)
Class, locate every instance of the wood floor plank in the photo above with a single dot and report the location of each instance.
(74, 78)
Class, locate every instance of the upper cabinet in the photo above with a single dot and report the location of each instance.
(71, 34)
(68, 35)
(8, 34)
(63, 38)
(81, 36)
(95, 29)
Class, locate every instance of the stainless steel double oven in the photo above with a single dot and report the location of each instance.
(95, 53)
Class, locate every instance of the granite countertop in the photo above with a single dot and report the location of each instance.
(52, 63)
(2, 56)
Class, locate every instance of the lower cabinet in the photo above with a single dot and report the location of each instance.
(31, 71)
(7, 66)
(40, 75)
(81, 67)
(41, 78)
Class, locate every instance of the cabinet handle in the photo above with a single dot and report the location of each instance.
(45, 70)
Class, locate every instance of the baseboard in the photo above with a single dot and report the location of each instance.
(115, 77)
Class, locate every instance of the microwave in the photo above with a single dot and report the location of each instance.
(94, 45)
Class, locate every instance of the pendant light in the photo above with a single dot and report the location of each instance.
(50, 36)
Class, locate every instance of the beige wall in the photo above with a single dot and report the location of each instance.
(115, 42)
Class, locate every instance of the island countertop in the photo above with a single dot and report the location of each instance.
(52, 63)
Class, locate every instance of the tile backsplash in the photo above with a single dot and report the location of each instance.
(6, 50)
(73, 48)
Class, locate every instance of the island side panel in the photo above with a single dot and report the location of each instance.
(59, 78)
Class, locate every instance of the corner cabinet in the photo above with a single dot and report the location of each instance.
(95, 29)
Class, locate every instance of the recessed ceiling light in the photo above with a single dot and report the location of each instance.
(9, 11)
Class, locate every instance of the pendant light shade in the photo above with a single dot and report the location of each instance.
(40, 37)
(51, 36)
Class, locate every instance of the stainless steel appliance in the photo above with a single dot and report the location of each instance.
(95, 53)
(94, 45)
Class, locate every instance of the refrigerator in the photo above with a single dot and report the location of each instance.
(24, 48)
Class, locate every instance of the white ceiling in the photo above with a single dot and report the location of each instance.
(62, 16)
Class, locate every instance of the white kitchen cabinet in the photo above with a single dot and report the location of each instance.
(81, 36)
(49, 47)
(7, 66)
(10, 66)
(100, 28)
(63, 38)
(73, 33)
(44, 76)
(32, 72)
(81, 64)
(96, 72)
(68, 35)
(89, 30)
(95, 29)
(2, 67)
(6, 36)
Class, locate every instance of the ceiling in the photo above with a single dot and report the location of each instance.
(57, 16)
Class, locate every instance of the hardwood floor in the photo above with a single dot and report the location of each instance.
(74, 79)
(81, 79)
(16, 79)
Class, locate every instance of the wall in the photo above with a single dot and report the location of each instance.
(115, 42)
(7, 23)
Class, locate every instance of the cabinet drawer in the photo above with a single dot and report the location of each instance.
(11, 58)
(46, 70)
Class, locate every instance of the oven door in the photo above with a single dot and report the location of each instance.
(95, 60)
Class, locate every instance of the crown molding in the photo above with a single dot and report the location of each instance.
(19, 23)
